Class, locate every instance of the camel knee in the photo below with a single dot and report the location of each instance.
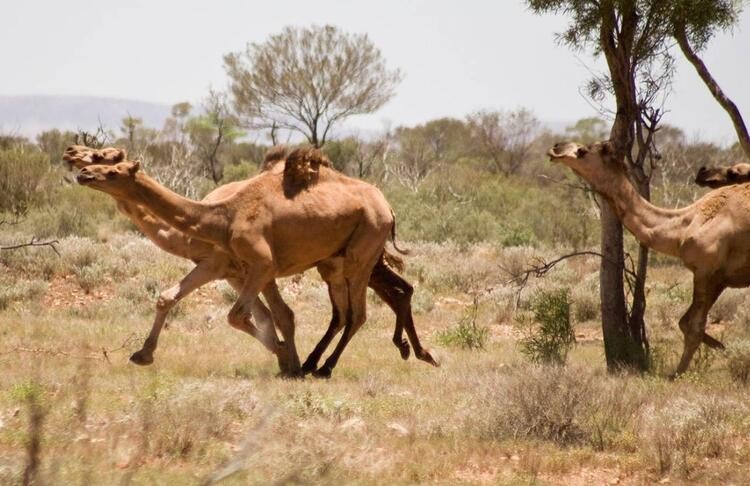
(236, 319)
(166, 301)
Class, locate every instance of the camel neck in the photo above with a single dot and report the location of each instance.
(196, 219)
(657, 228)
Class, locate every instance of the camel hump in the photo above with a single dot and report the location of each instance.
(274, 155)
(303, 165)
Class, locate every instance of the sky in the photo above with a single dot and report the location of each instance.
(457, 56)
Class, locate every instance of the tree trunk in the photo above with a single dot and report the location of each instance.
(680, 35)
(612, 291)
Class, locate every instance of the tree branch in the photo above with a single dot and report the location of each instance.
(33, 242)
(680, 34)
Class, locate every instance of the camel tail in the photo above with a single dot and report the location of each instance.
(393, 236)
(393, 261)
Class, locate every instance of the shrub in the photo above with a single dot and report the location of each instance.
(550, 341)
(467, 335)
(237, 172)
(683, 432)
(738, 361)
(24, 175)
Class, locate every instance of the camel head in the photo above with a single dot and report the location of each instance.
(79, 156)
(117, 180)
(596, 163)
(714, 177)
(303, 165)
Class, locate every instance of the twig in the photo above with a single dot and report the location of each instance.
(33, 242)
(543, 267)
(50, 352)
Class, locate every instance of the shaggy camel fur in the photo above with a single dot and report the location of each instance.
(716, 177)
(711, 236)
(388, 285)
(261, 227)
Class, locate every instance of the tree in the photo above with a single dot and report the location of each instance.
(309, 79)
(588, 130)
(504, 138)
(211, 132)
(634, 37)
(421, 149)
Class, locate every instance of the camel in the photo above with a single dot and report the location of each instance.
(716, 177)
(385, 282)
(711, 236)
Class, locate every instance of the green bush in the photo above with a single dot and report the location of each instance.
(467, 334)
(550, 341)
(238, 172)
(24, 179)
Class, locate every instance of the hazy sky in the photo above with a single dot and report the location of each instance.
(457, 56)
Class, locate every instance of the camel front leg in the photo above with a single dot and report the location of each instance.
(283, 316)
(332, 273)
(247, 303)
(693, 322)
(205, 271)
(356, 317)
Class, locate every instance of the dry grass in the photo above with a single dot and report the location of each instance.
(73, 410)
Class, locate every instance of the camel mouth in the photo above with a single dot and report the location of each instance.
(84, 179)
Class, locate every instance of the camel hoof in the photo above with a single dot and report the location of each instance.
(142, 358)
(308, 368)
(712, 342)
(403, 348)
(291, 375)
(323, 372)
(425, 355)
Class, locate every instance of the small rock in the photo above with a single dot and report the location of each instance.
(398, 428)
(665, 481)
(515, 458)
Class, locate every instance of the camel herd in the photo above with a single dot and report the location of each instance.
(300, 213)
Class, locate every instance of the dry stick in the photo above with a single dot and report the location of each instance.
(33, 242)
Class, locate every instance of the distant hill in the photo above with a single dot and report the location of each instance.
(30, 115)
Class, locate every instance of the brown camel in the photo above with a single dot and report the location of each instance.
(711, 236)
(221, 223)
(387, 284)
(716, 177)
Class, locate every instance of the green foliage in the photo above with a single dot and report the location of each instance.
(238, 172)
(24, 179)
(552, 339)
(467, 334)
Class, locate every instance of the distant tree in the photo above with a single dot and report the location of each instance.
(505, 138)
(309, 79)
(211, 132)
(129, 126)
(588, 130)
(421, 149)
(53, 143)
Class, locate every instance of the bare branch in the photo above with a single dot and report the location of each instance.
(33, 242)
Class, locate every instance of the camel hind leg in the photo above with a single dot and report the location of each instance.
(396, 293)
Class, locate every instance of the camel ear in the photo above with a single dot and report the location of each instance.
(134, 167)
(121, 154)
